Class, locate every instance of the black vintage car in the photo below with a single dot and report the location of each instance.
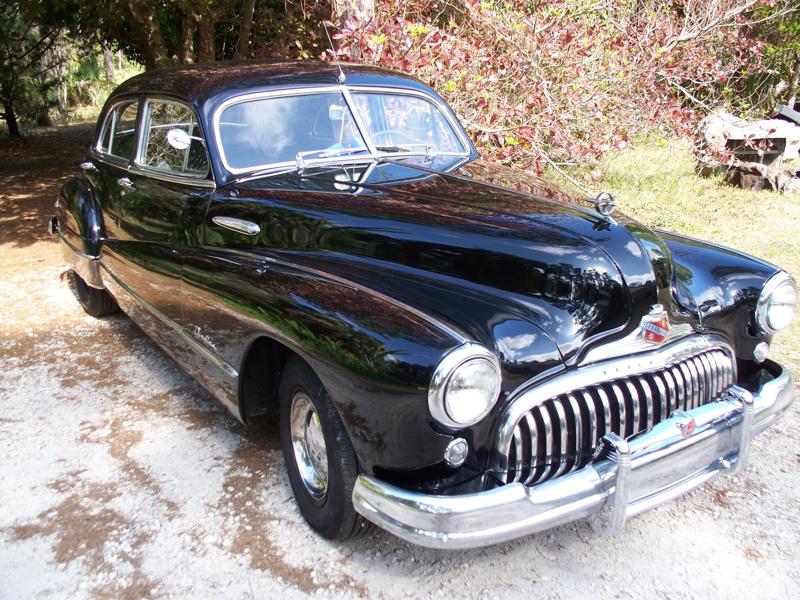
(457, 352)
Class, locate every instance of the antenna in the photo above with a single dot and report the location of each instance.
(335, 54)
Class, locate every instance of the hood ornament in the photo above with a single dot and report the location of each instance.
(655, 325)
(605, 204)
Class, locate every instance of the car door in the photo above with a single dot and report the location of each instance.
(154, 209)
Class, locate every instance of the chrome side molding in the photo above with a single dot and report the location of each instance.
(237, 225)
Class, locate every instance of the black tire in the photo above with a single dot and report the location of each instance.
(332, 516)
(97, 303)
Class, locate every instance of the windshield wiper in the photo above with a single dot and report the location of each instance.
(300, 163)
(418, 149)
(301, 157)
(265, 173)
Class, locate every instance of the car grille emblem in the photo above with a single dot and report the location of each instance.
(655, 325)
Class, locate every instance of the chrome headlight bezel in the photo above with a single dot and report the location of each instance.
(448, 366)
(773, 284)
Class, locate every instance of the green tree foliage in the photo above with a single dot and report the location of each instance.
(29, 56)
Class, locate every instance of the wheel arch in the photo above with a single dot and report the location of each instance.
(260, 376)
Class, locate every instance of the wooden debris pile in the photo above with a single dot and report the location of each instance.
(755, 155)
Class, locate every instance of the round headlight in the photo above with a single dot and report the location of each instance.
(465, 386)
(775, 309)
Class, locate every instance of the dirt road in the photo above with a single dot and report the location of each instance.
(120, 477)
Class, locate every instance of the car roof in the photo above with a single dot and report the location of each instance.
(202, 82)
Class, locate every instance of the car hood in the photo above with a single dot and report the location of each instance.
(501, 256)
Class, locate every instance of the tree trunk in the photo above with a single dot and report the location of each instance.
(187, 40)
(243, 45)
(361, 10)
(205, 39)
(794, 84)
(108, 64)
(147, 33)
(11, 120)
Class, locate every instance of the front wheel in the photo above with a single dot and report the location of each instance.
(320, 459)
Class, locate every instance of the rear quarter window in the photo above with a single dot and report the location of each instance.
(118, 136)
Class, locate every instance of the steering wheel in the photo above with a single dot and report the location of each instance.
(393, 136)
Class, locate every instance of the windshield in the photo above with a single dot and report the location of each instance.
(279, 131)
(273, 131)
(396, 121)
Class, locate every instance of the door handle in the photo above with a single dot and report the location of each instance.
(88, 166)
(125, 182)
(237, 225)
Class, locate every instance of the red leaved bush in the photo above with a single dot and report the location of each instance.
(561, 80)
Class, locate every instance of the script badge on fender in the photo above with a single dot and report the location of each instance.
(655, 326)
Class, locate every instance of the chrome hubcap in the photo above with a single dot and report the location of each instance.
(308, 443)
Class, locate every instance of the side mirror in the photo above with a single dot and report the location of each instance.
(179, 139)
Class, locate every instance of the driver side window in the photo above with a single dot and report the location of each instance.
(163, 146)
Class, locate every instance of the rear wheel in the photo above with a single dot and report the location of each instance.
(97, 303)
(320, 459)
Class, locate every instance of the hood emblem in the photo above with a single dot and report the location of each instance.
(655, 325)
(605, 204)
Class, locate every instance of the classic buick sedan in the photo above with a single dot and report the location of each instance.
(457, 352)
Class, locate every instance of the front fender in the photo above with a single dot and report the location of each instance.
(374, 356)
(724, 285)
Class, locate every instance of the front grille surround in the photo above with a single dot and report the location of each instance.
(553, 427)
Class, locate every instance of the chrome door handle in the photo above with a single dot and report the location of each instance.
(125, 182)
(88, 166)
(237, 225)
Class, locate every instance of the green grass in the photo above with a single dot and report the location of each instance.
(655, 183)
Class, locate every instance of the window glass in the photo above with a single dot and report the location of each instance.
(119, 131)
(396, 120)
(159, 153)
(275, 130)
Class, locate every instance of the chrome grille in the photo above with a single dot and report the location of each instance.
(560, 434)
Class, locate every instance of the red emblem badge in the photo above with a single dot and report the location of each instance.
(655, 326)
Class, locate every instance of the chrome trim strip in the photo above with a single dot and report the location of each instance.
(618, 368)
(633, 343)
(219, 361)
(626, 478)
(237, 225)
(137, 169)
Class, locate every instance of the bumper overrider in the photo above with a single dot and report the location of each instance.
(625, 478)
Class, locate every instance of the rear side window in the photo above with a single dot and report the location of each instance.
(166, 151)
(119, 131)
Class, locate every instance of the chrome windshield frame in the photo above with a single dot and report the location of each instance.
(371, 154)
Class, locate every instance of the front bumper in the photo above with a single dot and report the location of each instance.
(625, 478)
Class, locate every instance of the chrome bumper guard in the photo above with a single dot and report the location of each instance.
(625, 478)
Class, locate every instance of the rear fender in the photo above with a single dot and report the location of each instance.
(79, 224)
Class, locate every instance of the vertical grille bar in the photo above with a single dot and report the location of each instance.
(634, 420)
(622, 410)
(549, 443)
(534, 429)
(589, 403)
(562, 438)
(578, 417)
(673, 391)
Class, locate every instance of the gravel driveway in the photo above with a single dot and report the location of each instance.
(120, 477)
